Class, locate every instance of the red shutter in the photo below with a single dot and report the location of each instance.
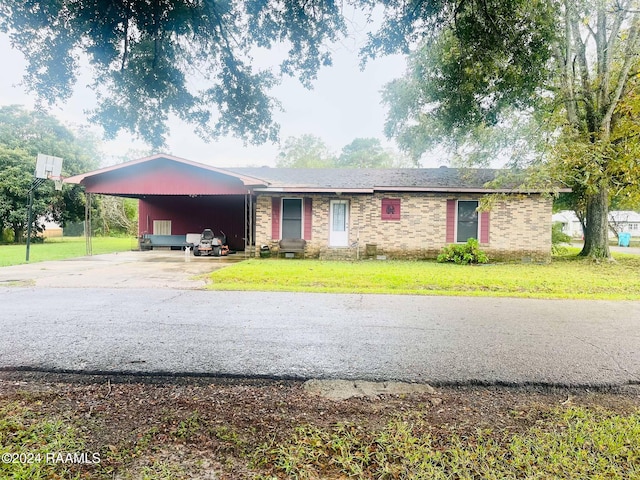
(451, 221)
(275, 218)
(308, 211)
(484, 227)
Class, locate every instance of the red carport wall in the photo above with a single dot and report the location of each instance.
(192, 214)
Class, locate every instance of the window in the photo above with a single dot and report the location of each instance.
(162, 227)
(291, 218)
(633, 226)
(390, 209)
(467, 226)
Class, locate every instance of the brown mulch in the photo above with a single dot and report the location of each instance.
(213, 423)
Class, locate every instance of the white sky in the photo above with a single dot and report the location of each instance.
(344, 104)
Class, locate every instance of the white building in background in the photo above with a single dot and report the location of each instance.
(570, 223)
(620, 220)
(625, 221)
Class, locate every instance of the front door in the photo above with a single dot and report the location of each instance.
(339, 223)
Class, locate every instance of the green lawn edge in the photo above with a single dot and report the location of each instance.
(62, 249)
(566, 277)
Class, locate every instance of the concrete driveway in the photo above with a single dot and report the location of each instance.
(149, 269)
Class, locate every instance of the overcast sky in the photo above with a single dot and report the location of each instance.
(345, 104)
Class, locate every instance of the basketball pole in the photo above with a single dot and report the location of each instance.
(36, 182)
(47, 167)
(29, 221)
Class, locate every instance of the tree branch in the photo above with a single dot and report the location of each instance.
(629, 58)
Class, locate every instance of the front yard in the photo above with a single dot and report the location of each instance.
(61, 248)
(565, 277)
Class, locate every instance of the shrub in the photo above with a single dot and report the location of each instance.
(463, 254)
(558, 237)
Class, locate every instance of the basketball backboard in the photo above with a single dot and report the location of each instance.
(48, 166)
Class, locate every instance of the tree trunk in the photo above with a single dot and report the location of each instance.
(596, 234)
(18, 233)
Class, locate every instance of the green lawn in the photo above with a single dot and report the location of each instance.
(564, 277)
(61, 248)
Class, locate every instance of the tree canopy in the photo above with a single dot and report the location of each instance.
(24, 134)
(145, 56)
(310, 151)
(194, 59)
(365, 153)
(305, 151)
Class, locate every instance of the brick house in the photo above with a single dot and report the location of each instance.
(398, 213)
(341, 213)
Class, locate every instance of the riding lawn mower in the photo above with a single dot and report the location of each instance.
(210, 244)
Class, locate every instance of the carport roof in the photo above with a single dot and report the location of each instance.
(165, 175)
(154, 158)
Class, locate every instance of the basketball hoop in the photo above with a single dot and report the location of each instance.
(57, 182)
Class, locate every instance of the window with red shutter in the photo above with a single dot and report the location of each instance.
(390, 209)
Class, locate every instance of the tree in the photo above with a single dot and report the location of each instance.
(365, 153)
(569, 68)
(145, 56)
(117, 215)
(24, 134)
(306, 151)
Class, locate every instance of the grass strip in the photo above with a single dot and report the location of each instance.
(565, 277)
(574, 443)
(61, 248)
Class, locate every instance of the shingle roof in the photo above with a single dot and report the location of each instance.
(409, 179)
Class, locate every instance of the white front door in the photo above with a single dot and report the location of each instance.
(339, 223)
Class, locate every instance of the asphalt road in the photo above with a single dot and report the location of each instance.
(435, 340)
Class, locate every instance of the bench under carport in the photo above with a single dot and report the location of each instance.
(148, 241)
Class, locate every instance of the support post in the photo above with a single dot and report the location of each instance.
(246, 229)
(87, 225)
(29, 220)
(252, 243)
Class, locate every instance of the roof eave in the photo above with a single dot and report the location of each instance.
(312, 190)
(466, 190)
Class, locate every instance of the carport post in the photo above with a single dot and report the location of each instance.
(87, 224)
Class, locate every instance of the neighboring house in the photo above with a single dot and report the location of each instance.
(624, 221)
(341, 213)
(570, 223)
(619, 220)
(51, 229)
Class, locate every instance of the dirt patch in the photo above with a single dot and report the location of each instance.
(344, 389)
(211, 428)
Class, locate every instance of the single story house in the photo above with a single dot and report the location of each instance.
(341, 213)
(621, 221)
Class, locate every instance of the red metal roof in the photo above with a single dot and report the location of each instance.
(164, 175)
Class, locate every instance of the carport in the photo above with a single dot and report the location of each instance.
(177, 197)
